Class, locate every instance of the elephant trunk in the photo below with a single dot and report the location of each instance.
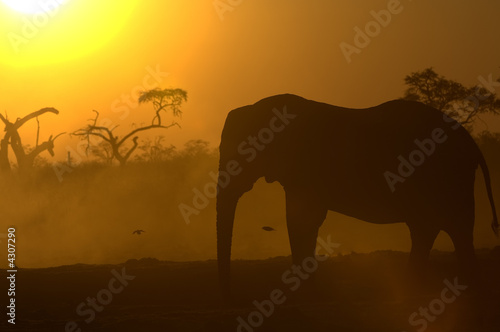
(226, 207)
(236, 176)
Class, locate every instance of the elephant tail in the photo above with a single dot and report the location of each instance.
(487, 180)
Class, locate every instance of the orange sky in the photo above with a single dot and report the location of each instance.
(89, 55)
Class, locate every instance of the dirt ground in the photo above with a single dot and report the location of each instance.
(356, 292)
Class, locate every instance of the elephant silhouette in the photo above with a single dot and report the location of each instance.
(401, 161)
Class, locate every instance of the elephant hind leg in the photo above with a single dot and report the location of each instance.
(422, 240)
(462, 237)
(304, 215)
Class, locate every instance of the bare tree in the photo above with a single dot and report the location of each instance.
(26, 156)
(162, 101)
(25, 160)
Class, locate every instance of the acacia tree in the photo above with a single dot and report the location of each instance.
(462, 103)
(162, 100)
(25, 159)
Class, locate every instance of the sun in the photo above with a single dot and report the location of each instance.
(33, 6)
(43, 32)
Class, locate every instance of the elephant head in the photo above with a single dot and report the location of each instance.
(248, 151)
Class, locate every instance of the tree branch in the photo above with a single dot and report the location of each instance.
(132, 149)
(135, 131)
(20, 122)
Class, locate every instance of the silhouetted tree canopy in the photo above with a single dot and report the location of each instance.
(164, 99)
(154, 150)
(103, 151)
(462, 103)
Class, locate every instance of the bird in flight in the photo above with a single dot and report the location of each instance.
(138, 232)
(268, 229)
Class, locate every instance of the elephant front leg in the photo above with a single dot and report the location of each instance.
(422, 240)
(304, 215)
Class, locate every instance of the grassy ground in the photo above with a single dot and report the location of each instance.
(357, 292)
